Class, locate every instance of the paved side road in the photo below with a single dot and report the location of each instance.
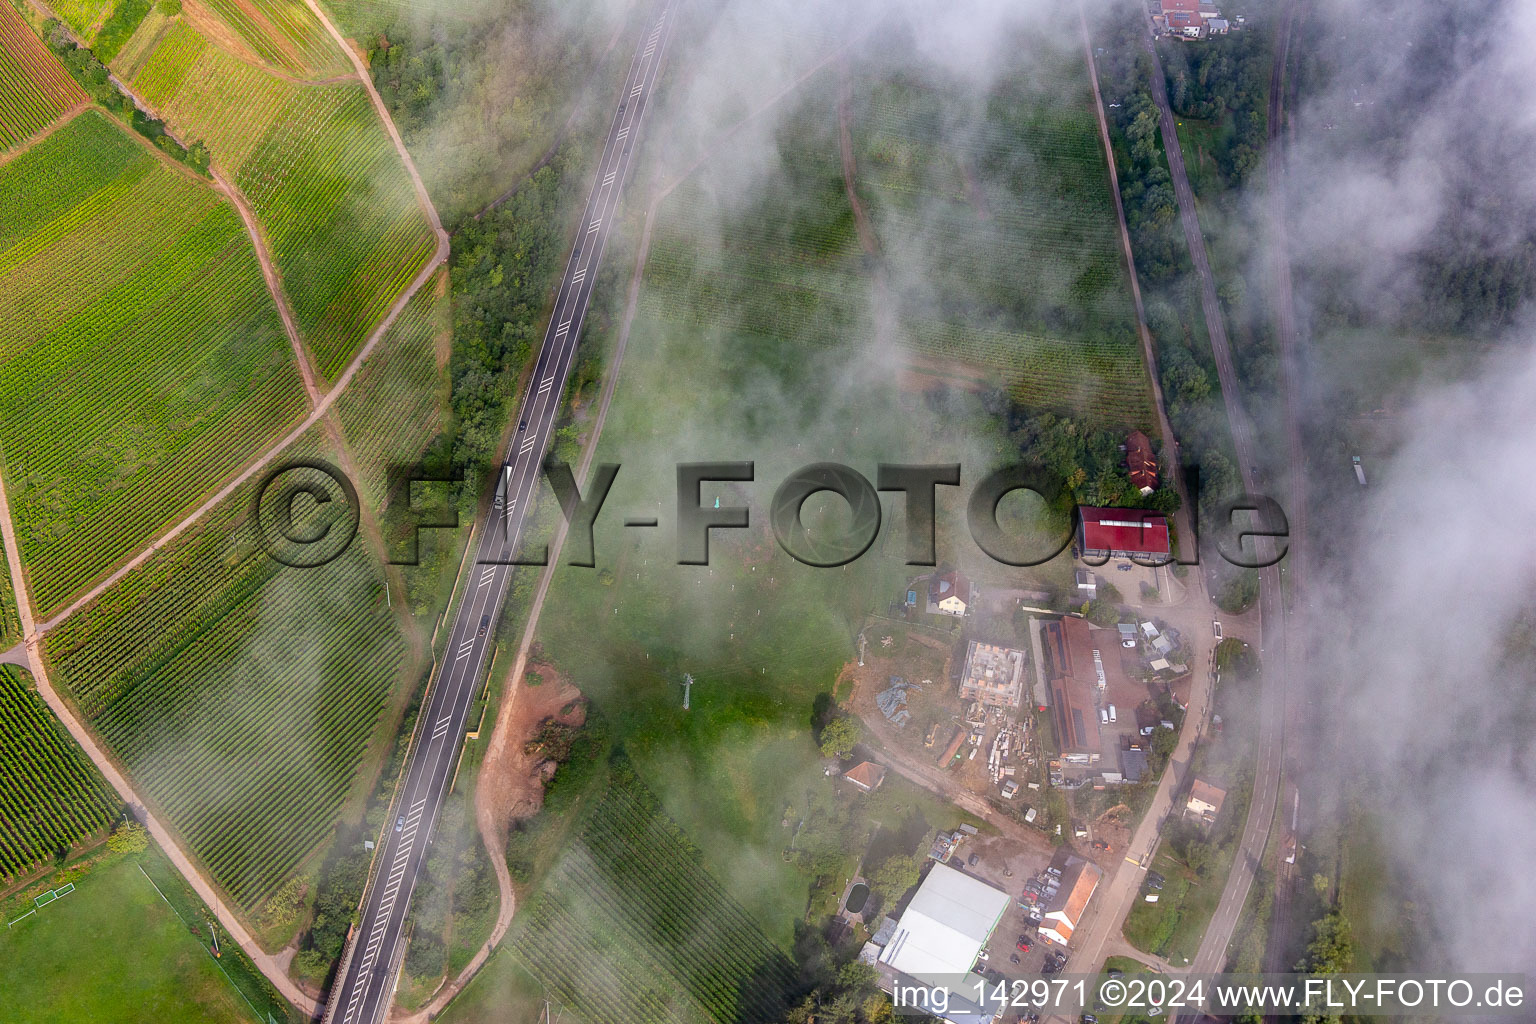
(1273, 650)
(365, 982)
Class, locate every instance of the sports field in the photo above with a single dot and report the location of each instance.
(141, 356)
(240, 694)
(34, 87)
(112, 950)
(320, 173)
(51, 796)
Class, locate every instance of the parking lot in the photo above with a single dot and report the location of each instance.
(1009, 867)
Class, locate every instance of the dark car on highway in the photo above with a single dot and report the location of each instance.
(485, 623)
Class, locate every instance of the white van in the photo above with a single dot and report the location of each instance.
(1111, 713)
(1103, 716)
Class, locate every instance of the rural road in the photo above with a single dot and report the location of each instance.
(365, 981)
(1273, 651)
(1284, 310)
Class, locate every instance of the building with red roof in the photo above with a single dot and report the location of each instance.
(1140, 463)
(1104, 533)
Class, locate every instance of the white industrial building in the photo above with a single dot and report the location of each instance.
(939, 936)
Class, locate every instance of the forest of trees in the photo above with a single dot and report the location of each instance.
(1225, 80)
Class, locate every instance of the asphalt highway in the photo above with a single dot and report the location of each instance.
(370, 965)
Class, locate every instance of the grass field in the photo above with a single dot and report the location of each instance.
(34, 87)
(768, 311)
(141, 355)
(51, 797)
(241, 695)
(321, 175)
(112, 950)
(136, 49)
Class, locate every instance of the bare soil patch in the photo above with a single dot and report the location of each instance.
(516, 788)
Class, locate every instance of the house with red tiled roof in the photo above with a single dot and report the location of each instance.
(1140, 463)
(866, 775)
(1205, 800)
(950, 593)
(1064, 911)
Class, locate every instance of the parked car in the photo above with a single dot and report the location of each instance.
(972, 859)
(1014, 958)
(1123, 567)
(1115, 972)
(1023, 944)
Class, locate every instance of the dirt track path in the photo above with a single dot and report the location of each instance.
(273, 967)
(389, 126)
(268, 964)
(274, 282)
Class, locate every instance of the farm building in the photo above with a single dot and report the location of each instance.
(948, 922)
(866, 775)
(1104, 533)
(1188, 18)
(1205, 800)
(1140, 463)
(993, 675)
(1133, 763)
(1079, 679)
(950, 593)
(1087, 585)
(1064, 911)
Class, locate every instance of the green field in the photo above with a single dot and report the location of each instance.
(136, 49)
(998, 251)
(81, 14)
(283, 34)
(999, 234)
(34, 87)
(394, 406)
(10, 621)
(762, 634)
(119, 28)
(631, 927)
(141, 356)
(51, 796)
(320, 174)
(241, 695)
(112, 950)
